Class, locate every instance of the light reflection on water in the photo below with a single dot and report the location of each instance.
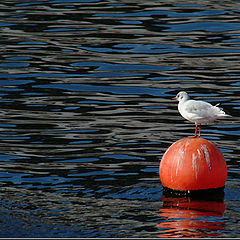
(192, 217)
(86, 114)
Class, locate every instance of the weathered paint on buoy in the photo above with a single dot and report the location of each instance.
(193, 164)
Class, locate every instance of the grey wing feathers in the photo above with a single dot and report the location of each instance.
(197, 106)
(203, 109)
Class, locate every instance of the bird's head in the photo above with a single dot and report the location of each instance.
(181, 96)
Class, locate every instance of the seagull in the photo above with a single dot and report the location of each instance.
(198, 111)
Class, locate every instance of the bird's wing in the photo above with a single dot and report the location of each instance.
(199, 109)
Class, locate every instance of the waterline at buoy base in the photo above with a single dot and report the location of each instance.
(205, 194)
(192, 164)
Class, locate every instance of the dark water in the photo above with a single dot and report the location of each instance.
(86, 115)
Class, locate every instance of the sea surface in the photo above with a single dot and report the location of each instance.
(86, 108)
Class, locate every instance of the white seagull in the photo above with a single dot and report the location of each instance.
(198, 111)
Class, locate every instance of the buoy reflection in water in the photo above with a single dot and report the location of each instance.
(186, 217)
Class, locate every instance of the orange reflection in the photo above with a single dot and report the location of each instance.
(186, 217)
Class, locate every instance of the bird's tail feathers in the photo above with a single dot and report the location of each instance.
(221, 112)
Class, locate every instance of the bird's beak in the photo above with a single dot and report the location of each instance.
(174, 98)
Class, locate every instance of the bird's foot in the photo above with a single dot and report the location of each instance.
(196, 136)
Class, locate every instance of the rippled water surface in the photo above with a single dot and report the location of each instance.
(86, 115)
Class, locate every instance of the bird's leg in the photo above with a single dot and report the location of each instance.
(200, 127)
(196, 130)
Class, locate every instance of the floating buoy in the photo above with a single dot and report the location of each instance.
(193, 164)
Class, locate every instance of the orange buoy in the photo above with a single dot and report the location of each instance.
(193, 164)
